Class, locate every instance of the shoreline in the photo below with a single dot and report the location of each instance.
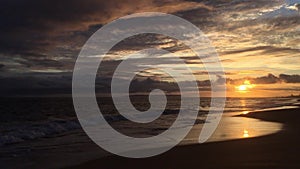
(270, 151)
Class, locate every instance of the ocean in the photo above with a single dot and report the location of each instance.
(29, 118)
(35, 131)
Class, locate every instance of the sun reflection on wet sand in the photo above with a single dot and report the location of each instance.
(243, 127)
(231, 128)
(246, 133)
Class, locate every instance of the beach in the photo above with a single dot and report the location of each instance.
(279, 150)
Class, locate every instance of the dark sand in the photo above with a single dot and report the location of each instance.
(276, 151)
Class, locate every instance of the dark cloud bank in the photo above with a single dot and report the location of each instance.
(47, 84)
(269, 79)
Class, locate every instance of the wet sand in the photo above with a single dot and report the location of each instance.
(279, 150)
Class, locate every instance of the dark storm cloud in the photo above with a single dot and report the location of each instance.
(28, 24)
(1, 66)
(45, 34)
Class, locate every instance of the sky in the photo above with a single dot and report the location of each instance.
(257, 41)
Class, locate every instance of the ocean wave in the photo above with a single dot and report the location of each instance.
(33, 131)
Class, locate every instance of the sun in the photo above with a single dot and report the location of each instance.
(245, 86)
(242, 88)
